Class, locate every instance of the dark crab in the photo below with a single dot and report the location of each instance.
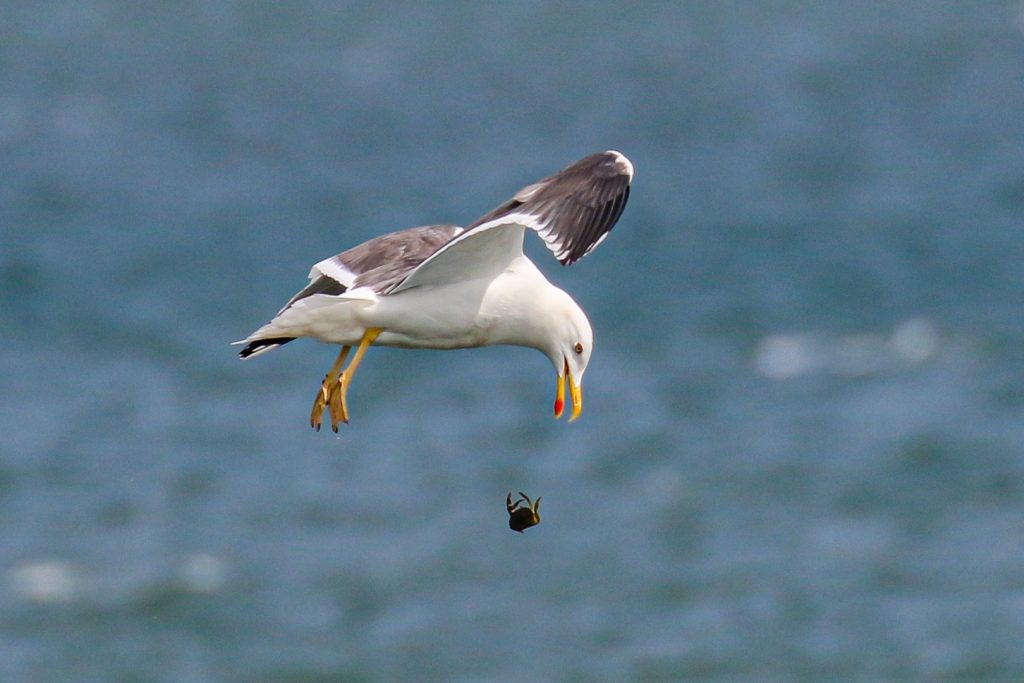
(523, 513)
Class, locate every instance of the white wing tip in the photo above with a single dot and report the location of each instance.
(623, 163)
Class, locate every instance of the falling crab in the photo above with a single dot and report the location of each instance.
(523, 513)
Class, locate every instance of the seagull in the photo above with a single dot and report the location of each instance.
(448, 287)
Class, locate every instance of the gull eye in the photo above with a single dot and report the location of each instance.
(578, 348)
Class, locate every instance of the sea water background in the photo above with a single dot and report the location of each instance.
(802, 456)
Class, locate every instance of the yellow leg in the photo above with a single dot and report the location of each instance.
(323, 395)
(337, 404)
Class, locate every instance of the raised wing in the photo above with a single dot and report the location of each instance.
(572, 211)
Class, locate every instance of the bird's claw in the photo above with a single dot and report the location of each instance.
(319, 403)
(337, 406)
(332, 397)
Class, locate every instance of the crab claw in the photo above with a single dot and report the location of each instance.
(523, 513)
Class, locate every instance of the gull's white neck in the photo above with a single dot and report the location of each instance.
(524, 309)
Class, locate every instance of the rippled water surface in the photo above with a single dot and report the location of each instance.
(801, 456)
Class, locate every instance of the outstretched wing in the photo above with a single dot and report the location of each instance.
(363, 271)
(572, 211)
(376, 264)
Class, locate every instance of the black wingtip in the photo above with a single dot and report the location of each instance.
(261, 345)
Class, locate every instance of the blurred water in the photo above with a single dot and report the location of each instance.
(801, 453)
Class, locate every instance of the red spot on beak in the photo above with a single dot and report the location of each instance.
(559, 405)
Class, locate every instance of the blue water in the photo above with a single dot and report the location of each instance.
(802, 453)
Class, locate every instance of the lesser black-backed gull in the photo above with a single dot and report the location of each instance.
(447, 287)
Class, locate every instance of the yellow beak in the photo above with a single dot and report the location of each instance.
(575, 393)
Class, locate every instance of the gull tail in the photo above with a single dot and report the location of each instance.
(255, 348)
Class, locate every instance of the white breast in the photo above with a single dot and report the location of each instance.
(463, 314)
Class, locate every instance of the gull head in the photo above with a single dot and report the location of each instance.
(570, 345)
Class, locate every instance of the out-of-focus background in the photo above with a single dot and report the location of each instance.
(802, 454)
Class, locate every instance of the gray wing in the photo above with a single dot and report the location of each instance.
(378, 263)
(572, 210)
